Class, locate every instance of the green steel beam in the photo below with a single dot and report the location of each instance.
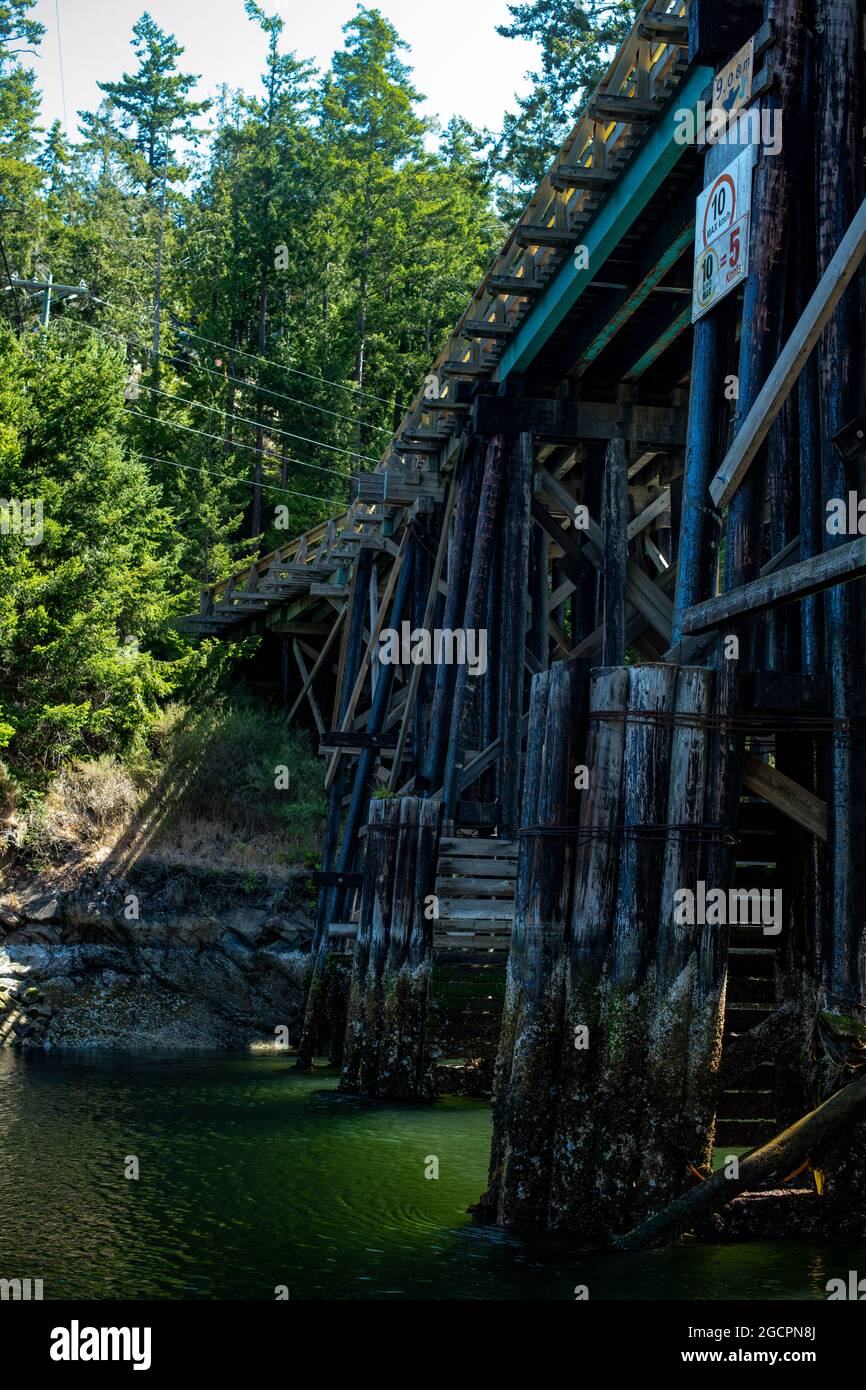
(661, 344)
(627, 198)
(636, 298)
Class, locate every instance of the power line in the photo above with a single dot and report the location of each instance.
(311, 376)
(12, 287)
(239, 381)
(230, 444)
(247, 482)
(260, 424)
(60, 56)
(188, 429)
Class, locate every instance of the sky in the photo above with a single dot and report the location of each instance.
(461, 65)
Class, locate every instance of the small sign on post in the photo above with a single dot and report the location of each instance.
(722, 234)
(732, 87)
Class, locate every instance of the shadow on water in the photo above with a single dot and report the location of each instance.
(252, 1176)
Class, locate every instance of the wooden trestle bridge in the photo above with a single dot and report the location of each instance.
(631, 506)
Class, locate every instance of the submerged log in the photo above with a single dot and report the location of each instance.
(385, 1051)
(531, 1048)
(772, 1162)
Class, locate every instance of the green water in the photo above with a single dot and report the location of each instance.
(252, 1177)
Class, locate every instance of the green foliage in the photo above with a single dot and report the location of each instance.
(264, 297)
(87, 593)
(577, 38)
(228, 757)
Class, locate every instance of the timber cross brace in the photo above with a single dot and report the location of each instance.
(631, 789)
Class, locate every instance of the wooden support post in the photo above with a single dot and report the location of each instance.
(327, 896)
(539, 590)
(685, 1025)
(615, 521)
(427, 622)
(713, 347)
(840, 189)
(531, 1047)
(512, 634)
(577, 1137)
(483, 549)
(585, 606)
(491, 678)
(360, 791)
(627, 994)
(386, 1053)
(468, 475)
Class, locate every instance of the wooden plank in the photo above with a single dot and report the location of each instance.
(346, 723)
(814, 319)
(615, 508)
(427, 624)
(575, 421)
(578, 176)
(840, 566)
(308, 686)
(458, 886)
(467, 909)
(786, 795)
(475, 847)
(318, 663)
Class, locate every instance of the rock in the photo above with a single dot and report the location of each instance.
(40, 909)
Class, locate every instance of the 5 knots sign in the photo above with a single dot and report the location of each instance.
(722, 234)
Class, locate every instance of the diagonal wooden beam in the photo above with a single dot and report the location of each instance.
(640, 591)
(308, 684)
(814, 319)
(786, 795)
(317, 665)
(415, 677)
(368, 654)
(839, 566)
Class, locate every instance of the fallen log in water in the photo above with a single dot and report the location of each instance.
(772, 1162)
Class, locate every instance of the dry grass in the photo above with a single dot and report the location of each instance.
(205, 795)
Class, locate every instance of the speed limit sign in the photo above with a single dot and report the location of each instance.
(722, 234)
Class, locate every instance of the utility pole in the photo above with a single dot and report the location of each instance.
(50, 290)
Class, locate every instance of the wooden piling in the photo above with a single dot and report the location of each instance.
(531, 1050)
(460, 552)
(576, 1141)
(483, 550)
(512, 635)
(628, 993)
(386, 1054)
(615, 521)
(684, 1020)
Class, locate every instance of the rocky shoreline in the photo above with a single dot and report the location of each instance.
(159, 956)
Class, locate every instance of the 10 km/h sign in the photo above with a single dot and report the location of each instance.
(722, 234)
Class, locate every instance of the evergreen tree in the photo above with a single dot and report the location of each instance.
(576, 38)
(20, 36)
